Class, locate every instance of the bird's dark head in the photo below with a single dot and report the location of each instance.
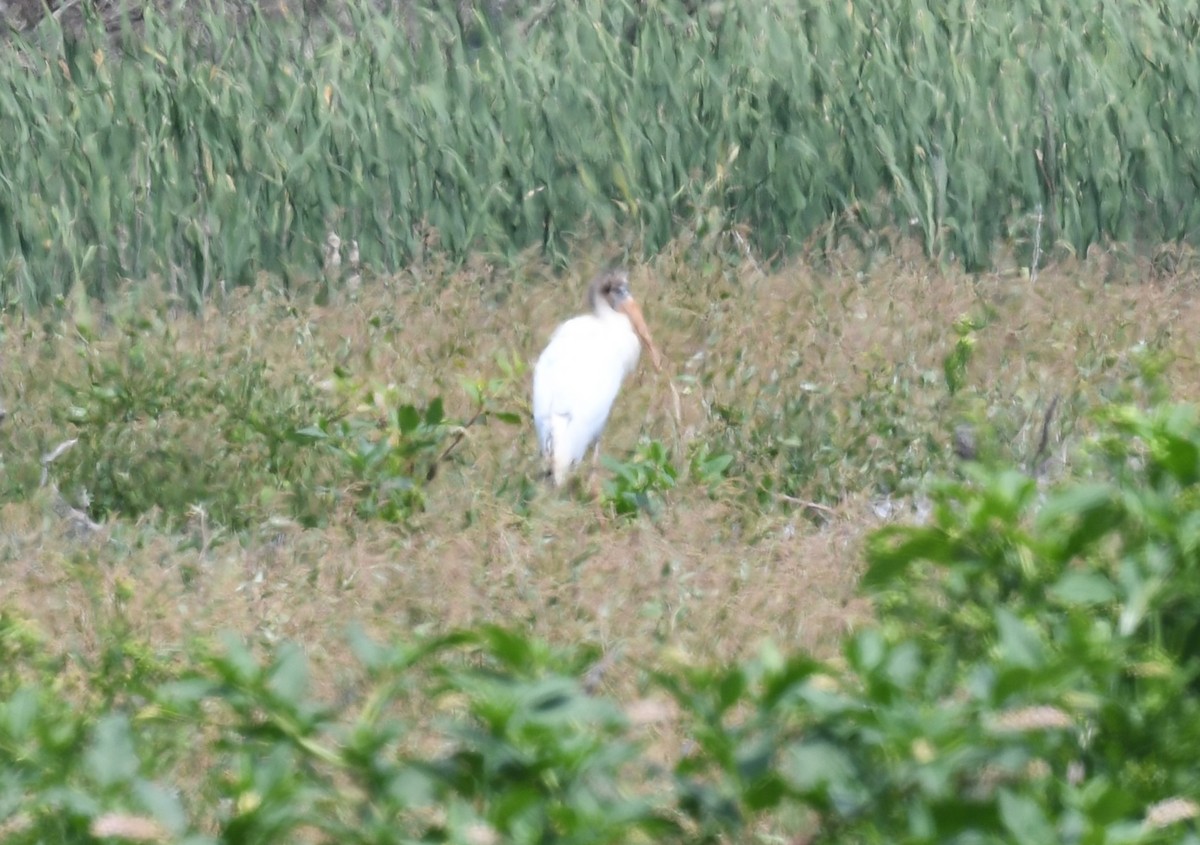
(610, 288)
(609, 292)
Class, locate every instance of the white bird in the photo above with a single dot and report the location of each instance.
(578, 375)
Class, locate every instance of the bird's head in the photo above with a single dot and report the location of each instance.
(610, 292)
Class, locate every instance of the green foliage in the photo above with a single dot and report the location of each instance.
(637, 485)
(71, 764)
(803, 442)
(1031, 679)
(1076, 602)
(641, 483)
(537, 754)
(387, 460)
(1032, 675)
(955, 364)
(163, 432)
(155, 430)
(390, 457)
(708, 468)
(526, 754)
(208, 153)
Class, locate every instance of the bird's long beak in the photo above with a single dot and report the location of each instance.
(633, 311)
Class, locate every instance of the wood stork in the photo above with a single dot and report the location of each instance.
(578, 375)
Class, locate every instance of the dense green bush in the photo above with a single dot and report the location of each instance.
(155, 429)
(1031, 678)
(201, 155)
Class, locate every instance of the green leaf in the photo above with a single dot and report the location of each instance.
(288, 678)
(1175, 447)
(824, 771)
(19, 713)
(309, 433)
(867, 651)
(753, 757)
(163, 804)
(891, 550)
(434, 413)
(904, 665)
(1019, 643)
(1084, 588)
(1091, 510)
(1025, 820)
(765, 791)
(407, 419)
(1075, 501)
(1187, 532)
(185, 693)
(731, 689)
(111, 759)
(369, 653)
(411, 787)
(954, 366)
(718, 465)
(510, 647)
(237, 663)
(1011, 490)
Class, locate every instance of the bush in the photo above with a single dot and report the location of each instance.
(1032, 676)
(158, 430)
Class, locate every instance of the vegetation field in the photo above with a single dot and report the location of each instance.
(187, 504)
(901, 545)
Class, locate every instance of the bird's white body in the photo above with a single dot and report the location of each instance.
(575, 382)
(577, 377)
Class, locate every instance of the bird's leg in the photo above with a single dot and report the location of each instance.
(596, 490)
(560, 466)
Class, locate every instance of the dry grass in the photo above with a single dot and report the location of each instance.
(710, 578)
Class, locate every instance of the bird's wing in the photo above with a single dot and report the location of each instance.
(574, 378)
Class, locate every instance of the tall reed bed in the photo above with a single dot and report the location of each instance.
(204, 154)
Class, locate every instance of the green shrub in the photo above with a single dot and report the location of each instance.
(1031, 678)
(162, 431)
(636, 485)
(386, 460)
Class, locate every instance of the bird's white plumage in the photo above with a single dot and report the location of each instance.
(576, 380)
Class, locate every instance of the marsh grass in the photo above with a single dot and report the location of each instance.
(201, 154)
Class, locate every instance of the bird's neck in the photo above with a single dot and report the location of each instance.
(607, 313)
